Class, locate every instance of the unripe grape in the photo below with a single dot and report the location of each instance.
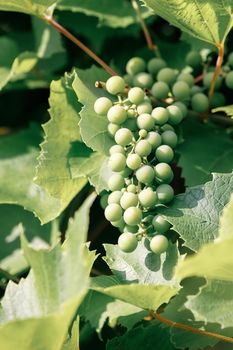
(159, 244)
(128, 79)
(154, 138)
(114, 197)
(175, 115)
(116, 182)
(229, 80)
(133, 161)
(117, 114)
(132, 216)
(160, 90)
(131, 113)
(129, 199)
(200, 103)
(160, 224)
(112, 128)
(217, 100)
(115, 85)
(102, 105)
(120, 224)
(169, 138)
(167, 127)
(131, 124)
(132, 188)
(167, 75)
(163, 172)
(165, 193)
(104, 200)
(135, 65)
(145, 174)
(117, 162)
(123, 137)
(193, 59)
(131, 229)
(143, 80)
(196, 89)
(147, 197)
(127, 242)
(187, 78)
(181, 90)
(142, 133)
(230, 59)
(113, 212)
(145, 121)
(116, 149)
(160, 115)
(182, 107)
(136, 95)
(208, 79)
(144, 107)
(164, 153)
(126, 172)
(143, 148)
(155, 64)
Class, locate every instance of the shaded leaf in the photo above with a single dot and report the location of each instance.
(32, 7)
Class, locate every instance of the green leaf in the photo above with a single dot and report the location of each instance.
(226, 221)
(195, 214)
(32, 7)
(226, 109)
(93, 127)
(46, 301)
(199, 158)
(53, 173)
(119, 14)
(210, 21)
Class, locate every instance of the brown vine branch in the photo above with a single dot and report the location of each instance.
(217, 69)
(77, 42)
(151, 45)
(191, 329)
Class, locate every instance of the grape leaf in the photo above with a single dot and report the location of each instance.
(53, 173)
(93, 127)
(198, 158)
(195, 214)
(226, 221)
(59, 276)
(119, 14)
(210, 21)
(32, 7)
(226, 109)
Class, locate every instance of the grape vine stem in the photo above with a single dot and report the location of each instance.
(217, 68)
(77, 42)
(170, 323)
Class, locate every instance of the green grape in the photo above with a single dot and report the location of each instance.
(164, 153)
(132, 216)
(126, 172)
(145, 174)
(217, 100)
(196, 89)
(144, 107)
(116, 182)
(132, 188)
(143, 80)
(200, 103)
(230, 59)
(136, 95)
(154, 138)
(131, 113)
(143, 148)
(169, 138)
(135, 65)
(165, 193)
(175, 115)
(160, 90)
(182, 107)
(181, 90)
(127, 242)
(120, 224)
(132, 229)
(117, 114)
(117, 162)
(155, 64)
(167, 127)
(114, 197)
(131, 124)
(145, 121)
(160, 115)
(147, 197)
(128, 79)
(160, 224)
(193, 59)
(113, 212)
(187, 78)
(159, 244)
(112, 128)
(142, 133)
(129, 199)
(133, 161)
(123, 137)
(208, 79)
(104, 200)
(229, 80)
(167, 75)
(115, 85)
(163, 172)
(102, 105)
(116, 149)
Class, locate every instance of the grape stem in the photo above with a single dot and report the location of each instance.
(218, 67)
(170, 323)
(150, 43)
(76, 41)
